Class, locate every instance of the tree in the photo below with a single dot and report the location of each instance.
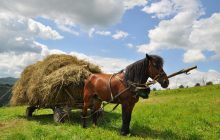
(181, 86)
(154, 89)
(209, 83)
(197, 84)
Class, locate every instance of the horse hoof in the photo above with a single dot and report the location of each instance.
(125, 133)
(84, 126)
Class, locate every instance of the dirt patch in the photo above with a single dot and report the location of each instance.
(2, 125)
(11, 124)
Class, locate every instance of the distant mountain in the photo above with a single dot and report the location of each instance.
(8, 80)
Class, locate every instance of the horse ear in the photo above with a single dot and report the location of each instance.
(147, 56)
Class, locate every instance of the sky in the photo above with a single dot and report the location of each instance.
(113, 34)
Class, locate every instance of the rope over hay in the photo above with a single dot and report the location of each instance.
(57, 80)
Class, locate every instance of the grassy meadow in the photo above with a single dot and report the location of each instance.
(192, 113)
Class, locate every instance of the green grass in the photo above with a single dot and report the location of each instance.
(192, 113)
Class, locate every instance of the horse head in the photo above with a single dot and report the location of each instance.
(155, 70)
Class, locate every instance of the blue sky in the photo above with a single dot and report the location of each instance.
(113, 33)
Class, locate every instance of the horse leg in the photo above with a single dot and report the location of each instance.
(126, 118)
(96, 114)
(86, 99)
(30, 110)
(84, 113)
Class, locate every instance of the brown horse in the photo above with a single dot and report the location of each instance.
(105, 87)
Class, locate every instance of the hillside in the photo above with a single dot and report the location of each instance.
(5, 93)
(191, 113)
(8, 80)
(5, 89)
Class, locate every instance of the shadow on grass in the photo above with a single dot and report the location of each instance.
(74, 118)
(42, 119)
(106, 121)
(167, 134)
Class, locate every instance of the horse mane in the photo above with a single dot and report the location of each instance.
(159, 60)
(137, 71)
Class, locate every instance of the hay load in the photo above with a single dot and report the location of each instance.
(57, 80)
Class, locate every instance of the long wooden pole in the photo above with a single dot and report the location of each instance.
(182, 71)
(186, 71)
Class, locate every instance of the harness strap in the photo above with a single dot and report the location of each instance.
(118, 78)
(115, 107)
(116, 96)
(109, 86)
(110, 89)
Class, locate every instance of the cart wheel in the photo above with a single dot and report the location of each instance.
(59, 115)
(29, 111)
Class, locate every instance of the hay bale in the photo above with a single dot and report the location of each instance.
(58, 79)
(19, 90)
(55, 61)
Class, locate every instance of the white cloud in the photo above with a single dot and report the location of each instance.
(129, 4)
(205, 34)
(195, 77)
(18, 33)
(42, 31)
(111, 65)
(86, 13)
(68, 14)
(107, 64)
(174, 32)
(130, 45)
(193, 56)
(103, 33)
(183, 29)
(68, 29)
(18, 46)
(161, 9)
(91, 31)
(119, 35)
(11, 64)
(19, 29)
(166, 8)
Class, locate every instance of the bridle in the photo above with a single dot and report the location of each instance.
(158, 76)
(154, 80)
